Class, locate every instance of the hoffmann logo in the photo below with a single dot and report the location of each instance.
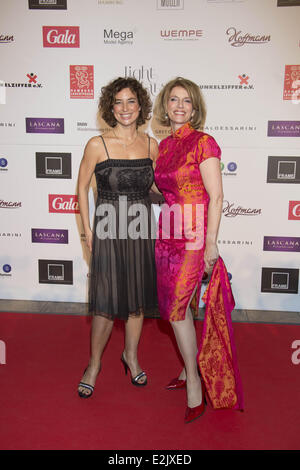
(61, 36)
(63, 203)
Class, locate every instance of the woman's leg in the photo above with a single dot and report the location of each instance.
(100, 333)
(185, 335)
(133, 330)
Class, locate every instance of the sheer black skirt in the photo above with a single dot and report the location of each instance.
(122, 278)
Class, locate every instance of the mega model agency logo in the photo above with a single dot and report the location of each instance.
(280, 280)
(283, 169)
(169, 4)
(45, 125)
(53, 165)
(55, 271)
(238, 38)
(291, 88)
(113, 37)
(47, 4)
(61, 36)
(283, 128)
(63, 204)
(294, 210)
(82, 81)
(286, 244)
(45, 235)
(32, 82)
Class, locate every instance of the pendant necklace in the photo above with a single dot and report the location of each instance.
(122, 143)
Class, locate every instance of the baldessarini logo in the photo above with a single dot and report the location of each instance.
(238, 39)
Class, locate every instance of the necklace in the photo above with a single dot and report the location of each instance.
(125, 145)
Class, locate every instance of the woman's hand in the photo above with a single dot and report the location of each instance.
(211, 254)
(89, 239)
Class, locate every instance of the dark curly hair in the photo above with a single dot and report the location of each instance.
(109, 92)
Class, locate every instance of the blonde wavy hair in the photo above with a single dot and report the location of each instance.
(160, 109)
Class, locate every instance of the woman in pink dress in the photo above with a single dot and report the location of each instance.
(188, 175)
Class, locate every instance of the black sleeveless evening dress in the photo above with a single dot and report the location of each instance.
(122, 279)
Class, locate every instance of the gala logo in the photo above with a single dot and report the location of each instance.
(63, 203)
(294, 210)
(61, 36)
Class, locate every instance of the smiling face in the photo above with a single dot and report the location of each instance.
(179, 107)
(126, 107)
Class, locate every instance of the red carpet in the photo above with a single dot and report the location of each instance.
(45, 358)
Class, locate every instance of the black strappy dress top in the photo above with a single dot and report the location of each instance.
(122, 274)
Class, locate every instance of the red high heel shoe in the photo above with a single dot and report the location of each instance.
(176, 384)
(193, 413)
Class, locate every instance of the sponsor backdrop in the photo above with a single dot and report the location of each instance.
(55, 57)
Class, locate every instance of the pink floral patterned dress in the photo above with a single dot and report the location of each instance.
(178, 177)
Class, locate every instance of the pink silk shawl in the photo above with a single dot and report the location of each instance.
(217, 353)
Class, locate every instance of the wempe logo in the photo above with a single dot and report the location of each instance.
(111, 36)
(282, 244)
(63, 203)
(181, 34)
(45, 125)
(61, 36)
(239, 39)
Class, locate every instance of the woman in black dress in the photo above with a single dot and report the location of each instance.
(122, 277)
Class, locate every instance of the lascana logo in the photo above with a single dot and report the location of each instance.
(61, 36)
